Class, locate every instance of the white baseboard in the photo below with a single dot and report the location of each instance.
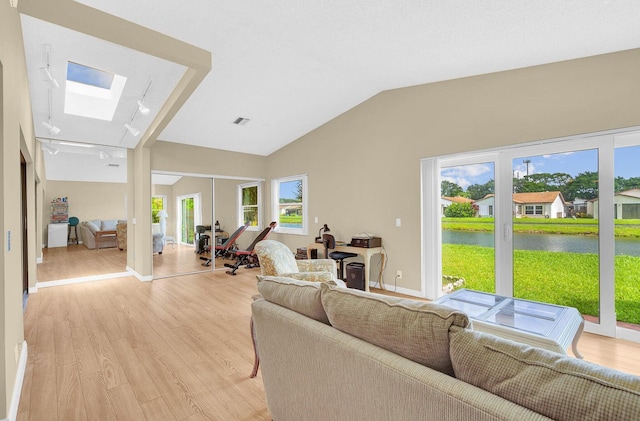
(17, 385)
(399, 290)
(138, 276)
(81, 279)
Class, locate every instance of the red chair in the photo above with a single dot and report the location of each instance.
(248, 256)
(224, 248)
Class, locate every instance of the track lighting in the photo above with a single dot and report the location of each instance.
(132, 130)
(47, 69)
(144, 110)
(49, 148)
(52, 129)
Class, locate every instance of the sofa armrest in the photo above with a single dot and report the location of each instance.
(318, 265)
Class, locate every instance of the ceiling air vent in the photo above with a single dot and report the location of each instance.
(241, 121)
(113, 165)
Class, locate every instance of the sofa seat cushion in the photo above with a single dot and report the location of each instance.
(555, 385)
(300, 296)
(416, 330)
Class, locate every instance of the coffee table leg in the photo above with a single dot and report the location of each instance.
(574, 343)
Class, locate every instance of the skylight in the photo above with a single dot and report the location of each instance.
(88, 75)
(91, 92)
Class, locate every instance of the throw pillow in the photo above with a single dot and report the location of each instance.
(416, 330)
(299, 296)
(92, 227)
(552, 384)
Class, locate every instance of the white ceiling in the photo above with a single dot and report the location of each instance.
(291, 66)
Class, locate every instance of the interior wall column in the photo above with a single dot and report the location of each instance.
(142, 257)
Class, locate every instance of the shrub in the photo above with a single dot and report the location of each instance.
(459, 210)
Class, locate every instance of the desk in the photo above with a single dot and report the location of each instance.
(543, 325)
(101, 234)
(366, 253)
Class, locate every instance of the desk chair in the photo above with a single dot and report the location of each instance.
(329, 242)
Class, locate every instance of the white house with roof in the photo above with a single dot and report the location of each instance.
(486, 206)
(549, 204)
(627, 205)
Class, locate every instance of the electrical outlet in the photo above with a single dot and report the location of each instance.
(399, 274)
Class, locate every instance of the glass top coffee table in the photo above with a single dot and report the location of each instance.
(543, 325)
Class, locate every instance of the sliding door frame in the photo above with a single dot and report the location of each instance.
(431, 241)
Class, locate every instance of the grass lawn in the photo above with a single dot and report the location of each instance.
(569, 279)
(628, 228)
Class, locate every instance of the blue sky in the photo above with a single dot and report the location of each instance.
(288, 189)
(88, 75)
(574, 163)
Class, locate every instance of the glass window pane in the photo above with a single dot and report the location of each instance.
(290, 204)
(467, 207)
(555, 242)
(627, 236)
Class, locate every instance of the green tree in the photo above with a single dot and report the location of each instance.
(459, 210)
(449, 189)
(478, 191)
(299, 190)
(584, 186)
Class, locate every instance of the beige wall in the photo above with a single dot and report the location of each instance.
(86, 200)
(226, 203)
(371, 171)
(175, 157)
(16, 135)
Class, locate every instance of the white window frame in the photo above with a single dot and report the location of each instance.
(431, 240)
(197, 213)
(275, 204)
(240, 207)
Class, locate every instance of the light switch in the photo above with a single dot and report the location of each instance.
(316, 219)
(398, 222)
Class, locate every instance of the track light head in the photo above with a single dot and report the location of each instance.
(52, 129)
(52, 80)
(132, 130)
(144, 110)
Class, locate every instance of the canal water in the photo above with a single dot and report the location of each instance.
(548, 242)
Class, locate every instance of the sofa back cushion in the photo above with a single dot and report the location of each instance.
(275, 258)
(555, 385)
(109, 225)
(416, 330)
(300, 296)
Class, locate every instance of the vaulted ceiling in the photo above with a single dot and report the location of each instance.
(287, 66)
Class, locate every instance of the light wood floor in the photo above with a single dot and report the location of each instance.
(172, 349)
(77, 261)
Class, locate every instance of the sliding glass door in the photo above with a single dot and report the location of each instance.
(555, 238)
(468, 225)
(557, 222)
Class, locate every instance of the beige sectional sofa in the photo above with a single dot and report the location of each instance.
(87, 232)
(331, 353)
